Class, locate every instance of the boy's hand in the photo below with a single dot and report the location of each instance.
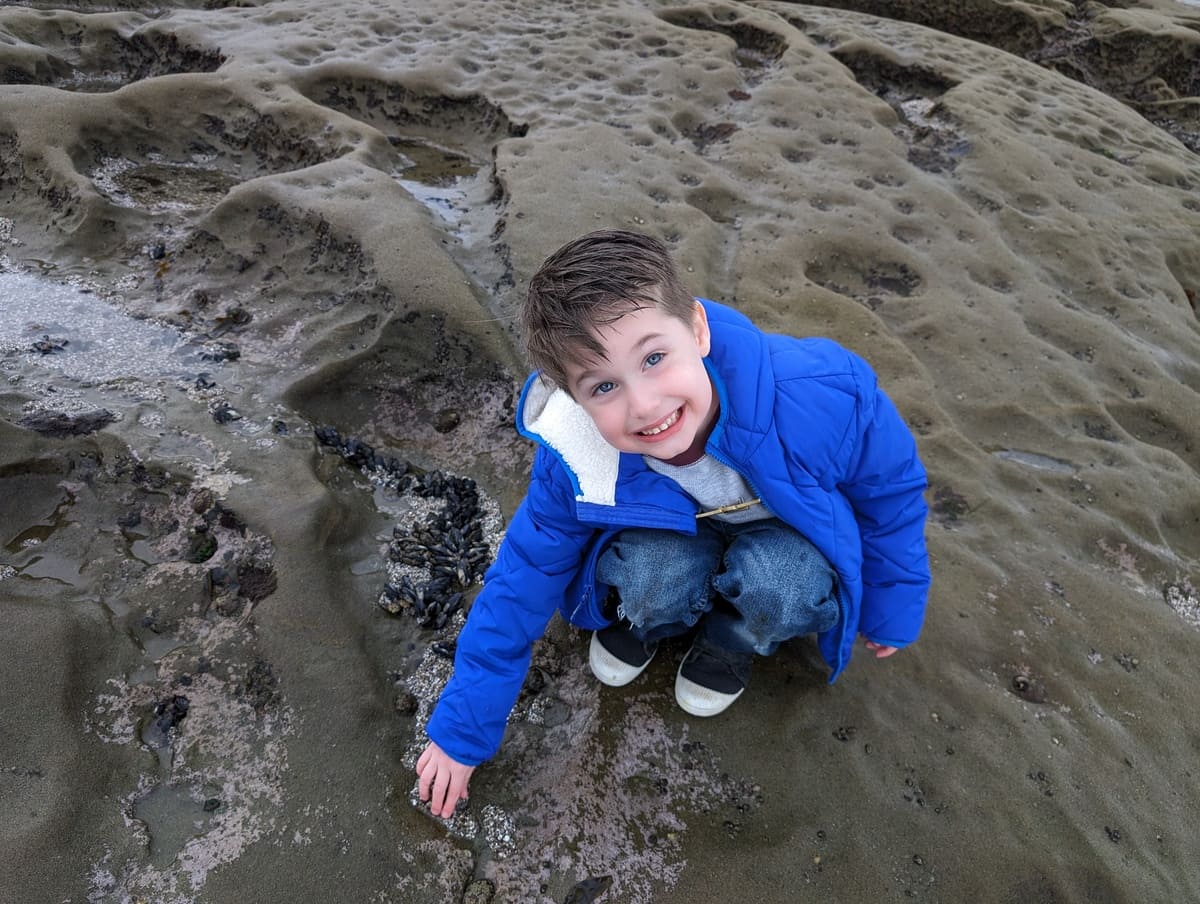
(442, 780)
(880, 651)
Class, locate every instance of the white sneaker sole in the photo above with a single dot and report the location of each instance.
(698, 700)
(610, 670)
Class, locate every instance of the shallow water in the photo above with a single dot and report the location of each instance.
(439, 178)
(172, 817)
(87, 340)
(1034, 460)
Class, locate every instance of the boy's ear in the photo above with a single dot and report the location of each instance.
(700, 329)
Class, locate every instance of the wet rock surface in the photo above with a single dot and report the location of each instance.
(258, 271)
(59, 424)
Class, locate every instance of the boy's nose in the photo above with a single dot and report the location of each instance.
(643, 403)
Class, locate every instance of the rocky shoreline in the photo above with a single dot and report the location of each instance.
(258, 267)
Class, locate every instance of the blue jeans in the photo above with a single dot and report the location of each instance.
(754, 584)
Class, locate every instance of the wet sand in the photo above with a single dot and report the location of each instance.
(223, 229)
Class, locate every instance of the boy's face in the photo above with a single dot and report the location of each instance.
(650, 394)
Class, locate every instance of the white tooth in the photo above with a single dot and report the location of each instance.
(668, 423)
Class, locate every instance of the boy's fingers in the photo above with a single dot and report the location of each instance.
(881, 651)
(423, 778)
(455, 792)
(437, 804)
(422, 785)
(441, 781)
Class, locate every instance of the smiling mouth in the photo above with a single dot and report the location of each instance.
(665, 425)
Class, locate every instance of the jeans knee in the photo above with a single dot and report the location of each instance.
(772, 612)
(660, 577)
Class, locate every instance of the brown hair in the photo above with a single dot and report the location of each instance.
(589, 282)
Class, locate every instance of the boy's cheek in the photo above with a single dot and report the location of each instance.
(604, 422)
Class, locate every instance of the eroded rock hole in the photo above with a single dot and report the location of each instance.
(914, 92)
(72, 54)
(442, 179)
(161, 184)
(757, 49)
(1014, 27)
(474, 121)
(866, 285)
(445, 150)
(191, 163)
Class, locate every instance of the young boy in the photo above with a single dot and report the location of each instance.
(692, 473)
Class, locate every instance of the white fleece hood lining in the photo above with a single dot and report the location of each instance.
(557, 420)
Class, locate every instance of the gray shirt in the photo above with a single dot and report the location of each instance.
(713, 485)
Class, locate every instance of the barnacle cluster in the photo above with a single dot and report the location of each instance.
(433, 562)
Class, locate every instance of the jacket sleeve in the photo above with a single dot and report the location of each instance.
(540, 554)
(885, 483)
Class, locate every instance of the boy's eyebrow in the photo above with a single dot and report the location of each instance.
(649, 337)
(585, 375)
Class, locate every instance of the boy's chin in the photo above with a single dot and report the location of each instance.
(667, 452)
(661, 451)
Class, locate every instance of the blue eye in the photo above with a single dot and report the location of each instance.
(604, 388)
(653, 358)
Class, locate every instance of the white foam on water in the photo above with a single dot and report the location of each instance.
(95, 342)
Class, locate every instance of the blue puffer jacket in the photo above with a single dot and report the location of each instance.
(802, 419)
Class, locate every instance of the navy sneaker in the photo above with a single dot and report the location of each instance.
(617, 657)
(711, 678)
